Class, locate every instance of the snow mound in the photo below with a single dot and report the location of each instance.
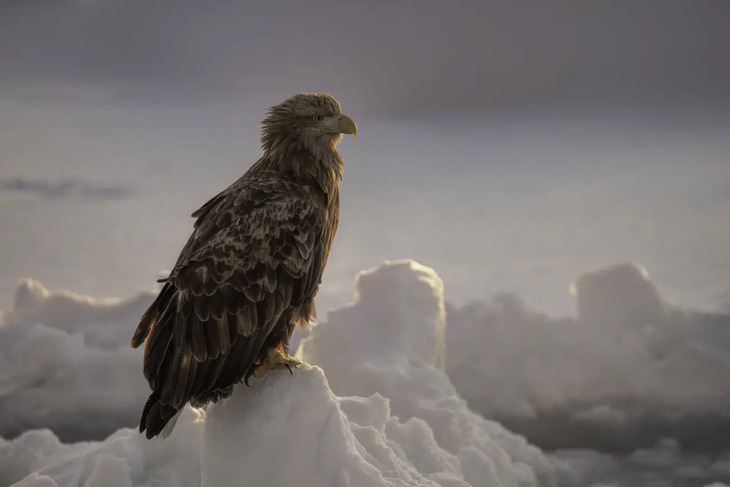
(65, 364)
(402, 302)
(287, 429)
(409, 294)
(300, 434)
(102, 322)
(51, 379)
(618, 296)
(38, 459)
(623, 373)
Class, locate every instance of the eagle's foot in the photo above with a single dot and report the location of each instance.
(276, 359)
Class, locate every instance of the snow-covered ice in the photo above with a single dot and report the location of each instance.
(102, 323)
(628, 370)
(38, 459)
(292, 429)
(379, 411)
(390, 341)
(303, 435)
(65, 364)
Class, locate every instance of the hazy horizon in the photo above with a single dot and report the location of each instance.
(535, 198)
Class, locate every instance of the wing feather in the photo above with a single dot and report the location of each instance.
(197, 339)
(217, 306)
(224, 337)
(202, 309)
(256, 253)
(190, 382)
(168, 385)
(178, 397)
(213, 338)
(244, 325)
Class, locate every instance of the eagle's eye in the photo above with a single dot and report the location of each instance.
(318, 118)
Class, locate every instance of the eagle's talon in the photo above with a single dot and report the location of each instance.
(276, 358)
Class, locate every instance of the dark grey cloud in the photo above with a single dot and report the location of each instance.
(408, 57)
(65, 189)
(628, 424)
(665, 463)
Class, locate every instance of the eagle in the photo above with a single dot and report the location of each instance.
(250, 270)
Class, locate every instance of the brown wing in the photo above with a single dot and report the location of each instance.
(256, 254)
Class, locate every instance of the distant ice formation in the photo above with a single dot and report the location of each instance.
(65, 364)
(391, 341)
(629, 370)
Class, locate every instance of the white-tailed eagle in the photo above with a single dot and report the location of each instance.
(250, 270)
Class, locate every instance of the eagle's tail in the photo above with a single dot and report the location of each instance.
(155, 327)
(156, 415)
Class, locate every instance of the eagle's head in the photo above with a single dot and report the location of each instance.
(312, 121)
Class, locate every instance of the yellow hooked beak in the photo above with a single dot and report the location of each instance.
(342, 124)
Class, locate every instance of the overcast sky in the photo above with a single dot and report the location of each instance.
(397, 58)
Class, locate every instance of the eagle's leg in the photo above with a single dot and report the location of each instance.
(276, 358)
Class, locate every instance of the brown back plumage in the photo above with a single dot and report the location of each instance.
(250, 270)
